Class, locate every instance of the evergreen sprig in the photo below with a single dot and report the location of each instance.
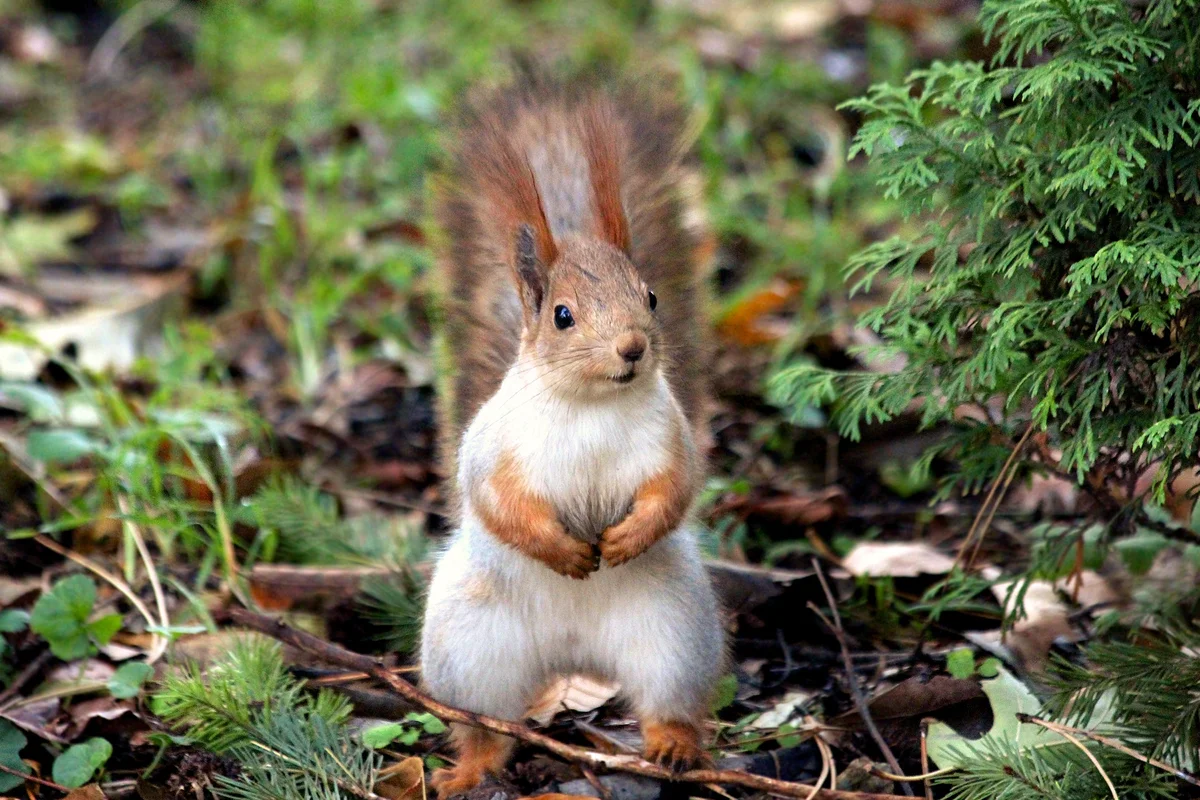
(289, 744)
(1057, 261)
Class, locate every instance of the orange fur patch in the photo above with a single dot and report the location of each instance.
(674, 744)
(479, 753)
(522, 519)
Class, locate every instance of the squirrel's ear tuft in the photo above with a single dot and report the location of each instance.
(531, 272)
(604, 167)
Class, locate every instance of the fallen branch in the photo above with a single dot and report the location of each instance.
(381, 671)
(860, 700)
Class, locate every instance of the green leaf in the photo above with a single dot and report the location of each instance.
(383, 735)
(790, 739)
(11, 742)
(60, 616)
(127, 681)
(80, 762)
(990, 668)
(39, 403)
(1139, 551)
(60, 446)
(433, 762)
(13, 620)
(726, 692)
(103, 629)
(429, 722)
(961, 663)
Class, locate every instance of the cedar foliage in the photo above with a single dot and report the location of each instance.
(1052, 263)
(1056, 259)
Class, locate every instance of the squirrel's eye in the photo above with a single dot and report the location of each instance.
(563, 318)
(653, 301)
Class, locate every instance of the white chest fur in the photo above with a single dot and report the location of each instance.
(586, 458)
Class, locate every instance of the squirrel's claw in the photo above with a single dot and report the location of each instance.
(620, 544)
(674, 746)
(573, 558)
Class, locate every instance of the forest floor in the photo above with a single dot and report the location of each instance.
(217, 389)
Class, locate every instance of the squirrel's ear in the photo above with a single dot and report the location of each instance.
(532, 277)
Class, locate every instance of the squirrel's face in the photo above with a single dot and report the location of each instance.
(596, 332)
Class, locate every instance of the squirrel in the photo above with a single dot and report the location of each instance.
(573, 321)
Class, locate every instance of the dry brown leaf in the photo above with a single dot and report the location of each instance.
(749, 323)
(80, 714)
(915, 697)
(402, 781)
(802, 509)
(90, 792)
(1046, 615)
(572, 693)
(896, 560)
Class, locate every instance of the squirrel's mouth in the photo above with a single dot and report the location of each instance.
(626, 378)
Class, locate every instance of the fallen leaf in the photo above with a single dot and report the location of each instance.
(783, 710)
(1047, 616)
(896, 559)
(90, 792)
(802, 509)
(1008, 696)
(122, 322)
(80, 714)
(571, 693)
(402, 781)
(915, 697)
(748, 322)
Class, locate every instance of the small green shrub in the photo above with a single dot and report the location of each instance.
(1058, 259)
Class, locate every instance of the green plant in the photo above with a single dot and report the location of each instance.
(80, 762)
(64, 617)
(405, 732)
(1054, 267)
(287, 742)
(1057, 263)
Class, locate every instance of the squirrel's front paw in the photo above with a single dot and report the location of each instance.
(623, 542)
(569, 556)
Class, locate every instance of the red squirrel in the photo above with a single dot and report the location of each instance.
(574, 324)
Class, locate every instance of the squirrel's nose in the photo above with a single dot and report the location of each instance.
(632, 346)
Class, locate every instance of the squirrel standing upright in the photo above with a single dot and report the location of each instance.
(573, 319)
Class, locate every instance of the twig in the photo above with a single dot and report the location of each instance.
(332, 653)
(34, 778)
(351, 677)
(1108, 741)
(1090, 755)
(860, 700)
(604, 792)
(987, 511)
(925, 759)
(826, 764)
(31, 669)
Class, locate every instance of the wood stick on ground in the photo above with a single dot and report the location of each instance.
(34, 778)
(327, 651)
(860, 700)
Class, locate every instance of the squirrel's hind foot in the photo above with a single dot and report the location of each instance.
(479, 753)
(675, 745)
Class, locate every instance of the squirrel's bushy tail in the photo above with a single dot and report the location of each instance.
(565, 159)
